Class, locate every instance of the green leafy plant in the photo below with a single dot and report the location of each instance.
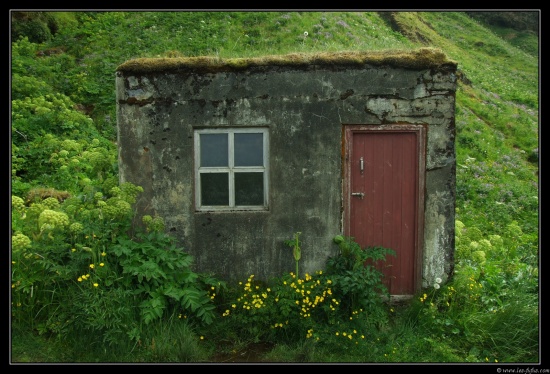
(345, 300)
(160, 274)
(296, 249)
(356, 281)
(75, 270)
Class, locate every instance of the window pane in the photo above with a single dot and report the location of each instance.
(215, 188)
(249, 149)
(249, 188)
(213, 150)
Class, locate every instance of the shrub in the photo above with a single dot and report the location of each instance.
(343, 301)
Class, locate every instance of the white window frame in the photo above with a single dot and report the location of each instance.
(231, 169)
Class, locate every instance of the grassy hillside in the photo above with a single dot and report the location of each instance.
(497, 98)
(63, 139)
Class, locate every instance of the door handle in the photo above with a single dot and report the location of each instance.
(360, 194)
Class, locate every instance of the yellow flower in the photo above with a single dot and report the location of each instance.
(73, 249)
(79, 279)
(95, 284)
(103, 254)
(92, 266)
(102, 264)
(202, 337)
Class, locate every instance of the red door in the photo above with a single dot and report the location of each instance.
(383, 198)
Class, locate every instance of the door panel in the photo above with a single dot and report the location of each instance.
(384, 166)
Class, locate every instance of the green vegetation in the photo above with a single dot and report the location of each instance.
(89, 285)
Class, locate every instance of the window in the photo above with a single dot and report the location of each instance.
(231, 169)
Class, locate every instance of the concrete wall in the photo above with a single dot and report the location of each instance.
(304, 107)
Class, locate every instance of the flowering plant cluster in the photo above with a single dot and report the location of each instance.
(322, 306)
(288, 307)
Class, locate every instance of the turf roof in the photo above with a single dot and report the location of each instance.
(423, 58)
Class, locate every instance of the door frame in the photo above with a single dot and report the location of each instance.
(421, 131)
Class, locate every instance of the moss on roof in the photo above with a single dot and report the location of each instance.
(423, 58)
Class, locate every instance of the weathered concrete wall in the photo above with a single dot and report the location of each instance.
(304, 108)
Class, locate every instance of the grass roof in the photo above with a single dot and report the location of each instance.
(423, 58)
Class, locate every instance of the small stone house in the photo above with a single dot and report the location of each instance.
(237, 155)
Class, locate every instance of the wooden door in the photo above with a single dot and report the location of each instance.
(384, 198)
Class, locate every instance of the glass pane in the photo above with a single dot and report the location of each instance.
(249, 149)
(249, 188)
(215, 188)
(213, 150)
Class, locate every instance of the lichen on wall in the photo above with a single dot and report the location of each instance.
(436, 257)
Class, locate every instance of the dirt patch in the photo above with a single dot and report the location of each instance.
(254, 352)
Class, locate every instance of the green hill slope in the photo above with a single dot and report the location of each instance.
(497, 99)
